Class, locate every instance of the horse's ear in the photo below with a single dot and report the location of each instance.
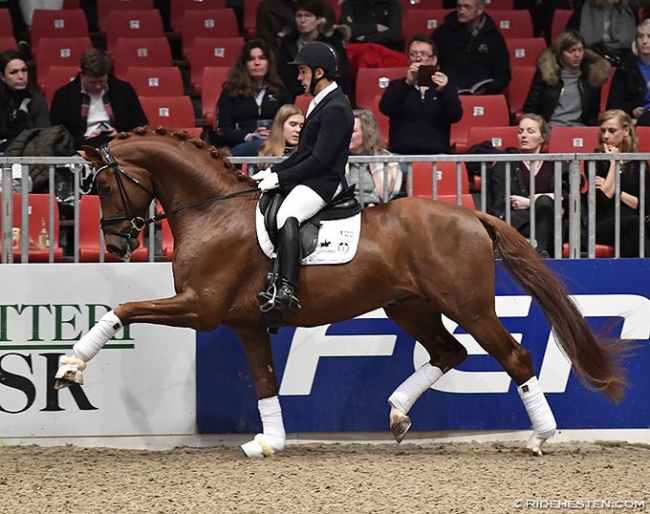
(90, 153)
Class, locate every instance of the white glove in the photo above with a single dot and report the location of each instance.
(261, 175)
(269, 183)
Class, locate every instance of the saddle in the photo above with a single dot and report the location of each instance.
(344, 205)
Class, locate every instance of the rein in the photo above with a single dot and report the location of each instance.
(138, 223)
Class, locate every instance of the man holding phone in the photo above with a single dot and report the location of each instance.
(422, 106)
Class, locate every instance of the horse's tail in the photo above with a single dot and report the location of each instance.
(596, 360)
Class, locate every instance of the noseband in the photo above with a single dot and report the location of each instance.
(137, 222)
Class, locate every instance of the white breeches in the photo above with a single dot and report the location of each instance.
(301, 203)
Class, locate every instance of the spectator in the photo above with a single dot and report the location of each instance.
(567, 84)
(285, 133)
(277, 18)
(309, 27)
(376, 182)
(251, 97)
(472, 50)
(374, 21)
(618, 135)
(531, 137)
(421, 115)
(20, 106)
(96, 105)
(607, 27)
(629, 90)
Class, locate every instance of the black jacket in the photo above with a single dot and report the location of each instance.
(420, 125)
(237, 115)
(323, 149)
(628, 86)
(547, 86)
(467, 59)
(66, 108)
(363, 16)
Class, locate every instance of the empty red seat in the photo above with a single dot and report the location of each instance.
(155, 80)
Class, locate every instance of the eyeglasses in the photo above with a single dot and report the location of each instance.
(424, 55)
(305, 16)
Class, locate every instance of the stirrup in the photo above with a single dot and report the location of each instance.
(267, 298)
(287, 301)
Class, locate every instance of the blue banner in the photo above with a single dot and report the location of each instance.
(338, 377)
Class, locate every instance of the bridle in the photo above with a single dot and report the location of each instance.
(138, 223)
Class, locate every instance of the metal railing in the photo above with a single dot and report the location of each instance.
(20, 166)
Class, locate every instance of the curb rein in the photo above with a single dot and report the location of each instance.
(138, 223)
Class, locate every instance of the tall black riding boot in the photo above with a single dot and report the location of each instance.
(289, 254)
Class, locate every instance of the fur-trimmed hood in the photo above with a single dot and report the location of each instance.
(594, 67)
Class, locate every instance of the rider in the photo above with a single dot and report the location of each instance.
(315, 172)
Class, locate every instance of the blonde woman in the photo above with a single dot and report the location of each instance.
(629, 90)
(376, 182)
(618, 135)
(285, 133)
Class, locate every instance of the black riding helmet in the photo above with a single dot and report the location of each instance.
(318, 55)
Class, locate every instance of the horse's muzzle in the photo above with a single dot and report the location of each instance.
(122, 247)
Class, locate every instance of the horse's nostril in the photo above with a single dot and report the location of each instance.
(115, 250)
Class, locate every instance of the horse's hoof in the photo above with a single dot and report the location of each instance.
(258, 448)
(534, 445)
(399, 424)
(69, 372)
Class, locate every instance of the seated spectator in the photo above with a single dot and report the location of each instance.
(96, 105)
(567, 84)
(376, 182)
(374, 21)
(21, 107)
(277, 18)
(607, 27)
(420, 115)
(309, 27)
(472, 51)
(629, 90)
(531, 138)
(618, 135)
(284, 135)
(251, 97)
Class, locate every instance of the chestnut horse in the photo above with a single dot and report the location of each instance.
(417, 259)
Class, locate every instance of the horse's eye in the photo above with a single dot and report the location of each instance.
(104, 190)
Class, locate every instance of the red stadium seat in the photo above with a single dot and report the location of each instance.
(132, 23)
(8, 42)
(59, 52)
(150, 51)
(560, 20)
(521, 79)
(525, 51)
(478, 110)
(643, 133)
(423, 21)
(213, 79)
(447, 179)
(178, 8)
(208, 23)
(573, 139)
(66, 23)
(57, 77)
(106, 6)
(214, 52)
(156, 80)
(602, 251)
(250, 18)
(382, 120)
(6, 24)
(373, 81)
(303, 102)
(513, 23)
(171, 111)
(89, 230)
(420, 4)
(39, 245)
(500, 137)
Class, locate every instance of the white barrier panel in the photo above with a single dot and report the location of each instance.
(141, 383)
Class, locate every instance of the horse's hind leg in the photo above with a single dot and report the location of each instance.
(493, 337)
(423, 322)
(257, 347)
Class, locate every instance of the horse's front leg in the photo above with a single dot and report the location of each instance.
(181, 310)
(257, 346)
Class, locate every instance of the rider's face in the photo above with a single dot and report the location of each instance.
(304, 76)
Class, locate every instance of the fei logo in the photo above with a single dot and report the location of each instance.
(309, 345)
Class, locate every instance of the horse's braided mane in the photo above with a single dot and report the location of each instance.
(181, 135)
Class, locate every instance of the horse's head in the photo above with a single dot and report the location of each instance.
(125, 196)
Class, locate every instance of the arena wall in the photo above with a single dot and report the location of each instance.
(182, 388)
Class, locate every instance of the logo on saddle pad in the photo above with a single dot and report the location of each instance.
(323, 241)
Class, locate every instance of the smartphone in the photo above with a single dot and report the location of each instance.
(424, 74)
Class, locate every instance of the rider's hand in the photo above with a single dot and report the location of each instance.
(261, 175)
(269, 183)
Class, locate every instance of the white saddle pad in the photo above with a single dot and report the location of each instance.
(338, 240)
